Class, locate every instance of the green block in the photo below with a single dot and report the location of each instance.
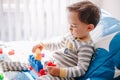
(1, 76)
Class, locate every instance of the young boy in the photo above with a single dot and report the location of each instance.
(77, 48)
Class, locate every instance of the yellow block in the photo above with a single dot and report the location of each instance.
(38, 56)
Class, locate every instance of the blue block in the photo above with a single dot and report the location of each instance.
(36, 64)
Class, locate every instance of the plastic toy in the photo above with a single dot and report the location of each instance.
(1, 51)
(42, 72)
(37, 53)
(37, 67)
(35, 64)
(1, 54)
(11, 52)
(51, 64)
(1, 76)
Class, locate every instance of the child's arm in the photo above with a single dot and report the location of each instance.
(52, 45)
(85, 54)
(84, 57)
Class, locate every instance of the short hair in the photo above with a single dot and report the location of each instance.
(88, 12)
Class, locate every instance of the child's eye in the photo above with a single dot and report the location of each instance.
(73, 26)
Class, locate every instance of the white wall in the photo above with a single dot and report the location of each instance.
(112, 6)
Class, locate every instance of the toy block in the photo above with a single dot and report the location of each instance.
(30, 67)
(38, 56)
(1, 76)
(51, 64)
(42, 72)
(43, 55)
(2, 57)
(11, 52)
(36, 64)
(1, 51)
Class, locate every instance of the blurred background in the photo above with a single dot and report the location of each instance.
(31, 20)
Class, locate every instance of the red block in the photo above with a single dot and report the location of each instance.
(30, 67)
(51, 64)
(1, 51)
(42, 72)
(12, 52)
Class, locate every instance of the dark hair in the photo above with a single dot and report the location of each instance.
(88, 12)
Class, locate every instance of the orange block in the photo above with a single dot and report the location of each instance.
(38, 56)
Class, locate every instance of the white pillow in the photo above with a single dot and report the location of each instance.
(107, 25)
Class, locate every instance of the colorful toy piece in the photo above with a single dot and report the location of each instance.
(1, 76)
(1, 51)
(37, 67)
(36, 64)
(1, 54)
(51, 64)
(37, 53)
(42, 72)
(11, 52)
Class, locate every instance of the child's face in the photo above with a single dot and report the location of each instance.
(77, 28)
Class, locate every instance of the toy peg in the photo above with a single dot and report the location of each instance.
(51, 64)
(38, 57)
(1, 76)
(1, 51)
(42, 72)
(11, 52)
(38, 54)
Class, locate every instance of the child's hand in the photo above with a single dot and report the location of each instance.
(38, 46)
(55, 71)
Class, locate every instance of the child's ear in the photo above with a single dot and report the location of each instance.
(90, 27)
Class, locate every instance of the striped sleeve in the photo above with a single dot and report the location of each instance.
(84, 57)
(55, 45)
